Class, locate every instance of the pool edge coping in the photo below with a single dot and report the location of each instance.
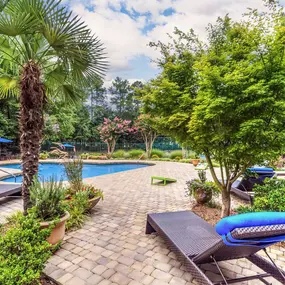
(56, 161)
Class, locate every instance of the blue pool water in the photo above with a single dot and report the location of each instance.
(47, 170)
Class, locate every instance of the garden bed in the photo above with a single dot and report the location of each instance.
(210, 215)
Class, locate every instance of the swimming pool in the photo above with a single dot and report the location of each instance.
(47, 170)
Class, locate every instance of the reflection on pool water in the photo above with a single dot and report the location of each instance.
(47, 170)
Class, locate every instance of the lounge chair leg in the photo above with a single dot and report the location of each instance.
(149, 229)
(262, 263)
(280, 271)
(221, 273)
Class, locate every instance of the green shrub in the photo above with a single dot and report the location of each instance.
(127, 155)
(23, 251)
(154, 156)
(77, 207)
(95, 154)
(84, 155)
(46, 199)
(192, 155)
(118, 154)
(185, 160)
(136, 153)
(176, 153)
(163, 159)
(268, 197)
(44, 155)
(159, 153)
(244, 209)
(73, 170)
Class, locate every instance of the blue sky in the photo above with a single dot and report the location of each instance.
(127, 26)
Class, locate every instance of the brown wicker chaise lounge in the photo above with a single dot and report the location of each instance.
(196, 242)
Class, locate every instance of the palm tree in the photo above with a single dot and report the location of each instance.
(44, 51)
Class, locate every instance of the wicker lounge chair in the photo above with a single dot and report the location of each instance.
(244, 188)
(196, 242)
(10, 189)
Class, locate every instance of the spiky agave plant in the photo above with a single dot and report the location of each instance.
(44, 51)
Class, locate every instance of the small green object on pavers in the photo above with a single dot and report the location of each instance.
(163, 180)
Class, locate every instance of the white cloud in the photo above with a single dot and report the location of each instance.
(122, 34)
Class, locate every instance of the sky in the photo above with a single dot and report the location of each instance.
(125, 27)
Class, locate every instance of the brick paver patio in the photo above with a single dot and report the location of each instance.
(112, 248)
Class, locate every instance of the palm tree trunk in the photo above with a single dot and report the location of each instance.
(31, 125)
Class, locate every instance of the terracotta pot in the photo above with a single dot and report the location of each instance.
(201, 196)
(195, 162)
(58, 232)
(93, 202)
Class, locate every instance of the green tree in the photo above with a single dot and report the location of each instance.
(9, 111)
(239, 113)
(83, 124)
(234, 110)
(145, 126)
(98, 98)
(170, 96)
(123, 98)
(120, 90)
(49, 52)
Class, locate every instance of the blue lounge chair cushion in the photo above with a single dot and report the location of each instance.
(228, 224)
(261, 169)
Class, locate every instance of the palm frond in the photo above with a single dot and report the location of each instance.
(8, 86)
(49, 34)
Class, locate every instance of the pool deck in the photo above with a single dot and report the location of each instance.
(112, 248)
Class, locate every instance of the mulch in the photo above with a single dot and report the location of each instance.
(45, 280)
(210, 215)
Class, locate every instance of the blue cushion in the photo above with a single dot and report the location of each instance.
(228, 224)
(261, 169)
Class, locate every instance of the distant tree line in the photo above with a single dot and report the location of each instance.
(79, 121)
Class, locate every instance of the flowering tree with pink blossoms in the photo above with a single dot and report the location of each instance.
(111, 130)
(144, 125)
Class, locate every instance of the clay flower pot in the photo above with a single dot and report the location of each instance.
(195, 162)
(202, 197)
(93, 202)
(58, 232)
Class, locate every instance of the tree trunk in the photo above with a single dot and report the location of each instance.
(113, 147)
(148, 146)
(226, 202)
(31, 125)
(184, 152)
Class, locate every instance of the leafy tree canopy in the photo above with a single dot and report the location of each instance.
(232, 105)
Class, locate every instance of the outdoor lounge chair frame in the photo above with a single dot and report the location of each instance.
(243, 194)
(10, 189)
(195, 242)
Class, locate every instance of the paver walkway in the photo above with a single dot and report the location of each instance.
(112, 248)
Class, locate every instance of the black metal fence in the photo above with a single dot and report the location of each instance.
(84, 146)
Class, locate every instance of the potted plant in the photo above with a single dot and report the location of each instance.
(94, 195)
(201, 189)
(73, 171)
(195, 160)
(46, 199)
